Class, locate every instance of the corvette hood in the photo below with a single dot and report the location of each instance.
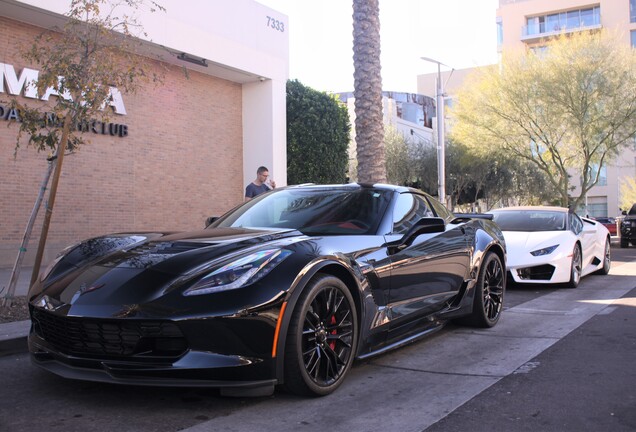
(142, 273)
(175, 253)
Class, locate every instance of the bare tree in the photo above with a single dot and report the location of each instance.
(84, 65)
(568, 110)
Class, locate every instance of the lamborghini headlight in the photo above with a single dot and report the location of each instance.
(240, 272)
(545, 251)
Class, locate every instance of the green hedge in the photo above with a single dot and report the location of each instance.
(317, 136)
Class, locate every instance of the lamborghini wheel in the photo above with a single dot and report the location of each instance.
(575, 267)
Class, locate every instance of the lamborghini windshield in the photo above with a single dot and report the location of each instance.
(530, 220)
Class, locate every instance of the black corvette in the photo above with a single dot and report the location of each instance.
(286, 289)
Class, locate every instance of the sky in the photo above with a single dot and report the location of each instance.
(458, 33)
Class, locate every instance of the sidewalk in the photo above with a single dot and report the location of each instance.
(13, 334)
(22, 286)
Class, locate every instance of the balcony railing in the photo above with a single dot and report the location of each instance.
(547, 29)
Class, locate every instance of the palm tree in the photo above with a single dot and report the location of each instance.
(367, 90)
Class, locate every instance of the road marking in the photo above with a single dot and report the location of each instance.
(539, 311)
(623, 301)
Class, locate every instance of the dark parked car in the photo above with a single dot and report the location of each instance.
(609, 223)
(628, 228)
(286, 289)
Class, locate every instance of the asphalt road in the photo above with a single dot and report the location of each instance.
(559, 360)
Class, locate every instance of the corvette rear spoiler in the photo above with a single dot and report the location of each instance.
(459, 217)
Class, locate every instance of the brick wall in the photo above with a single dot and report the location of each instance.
(181, 162)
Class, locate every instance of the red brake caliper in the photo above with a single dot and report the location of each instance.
(332, 344)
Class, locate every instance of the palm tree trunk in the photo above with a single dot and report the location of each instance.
(368, 92)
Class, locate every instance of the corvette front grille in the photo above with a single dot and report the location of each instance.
(109, 338)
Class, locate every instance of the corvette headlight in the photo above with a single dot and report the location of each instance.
(240, 272)
(545, 251)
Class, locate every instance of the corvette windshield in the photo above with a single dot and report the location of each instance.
(530, 220)
(313, 211)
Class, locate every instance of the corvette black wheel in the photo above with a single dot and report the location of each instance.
(322, 338)
(575, 268)
(489, 294)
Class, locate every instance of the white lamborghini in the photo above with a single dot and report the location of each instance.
(551, 245)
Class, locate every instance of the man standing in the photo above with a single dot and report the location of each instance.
(260, 185)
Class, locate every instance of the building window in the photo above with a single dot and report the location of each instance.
(632, 35)
(552, 23)
(632, 11)
(590, 17)
(571, 20)
(535, 25)
(539, 50)
(602, 178)
(500, 33)
(596, 207)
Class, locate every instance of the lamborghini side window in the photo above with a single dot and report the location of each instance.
(576, 226)
(409, 208)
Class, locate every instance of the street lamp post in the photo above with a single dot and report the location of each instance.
(441, 143)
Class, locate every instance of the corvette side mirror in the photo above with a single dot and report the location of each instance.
(426, 225)
(209, 220)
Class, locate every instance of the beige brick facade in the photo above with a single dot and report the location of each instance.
(181, 161)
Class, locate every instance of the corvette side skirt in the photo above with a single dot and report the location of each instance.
(403, 342)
